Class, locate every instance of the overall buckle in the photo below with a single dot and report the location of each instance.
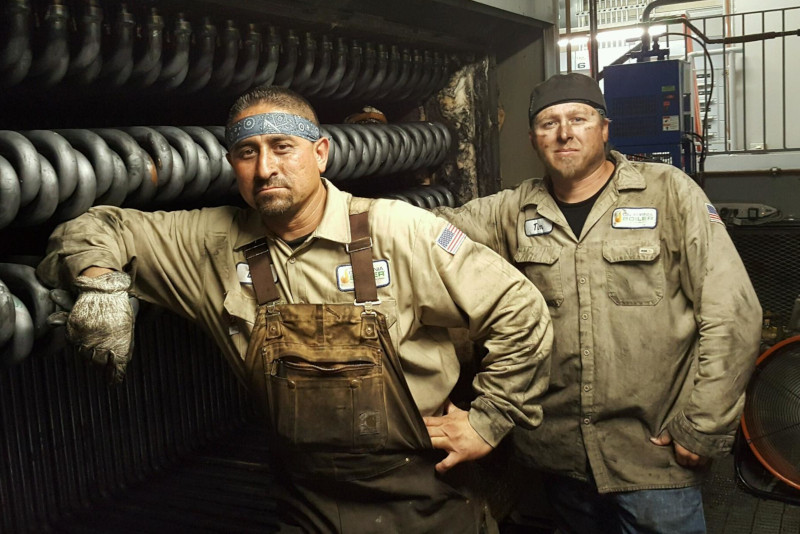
(368, 304)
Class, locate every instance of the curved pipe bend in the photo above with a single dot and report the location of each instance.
(225, 57)
(268, 64)
(61, 155)
(9, 193)
(21, 343)
(44, 205)
(148, 51)
(22, 155)
(247, 63)
(118, 64)
(201, 57)
(288, 60)
(85, 193)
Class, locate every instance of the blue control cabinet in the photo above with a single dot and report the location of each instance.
(651, 111)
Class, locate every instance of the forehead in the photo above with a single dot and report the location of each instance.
(259, 108)
(566, 108)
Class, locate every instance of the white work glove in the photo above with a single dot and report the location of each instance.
(101, 322)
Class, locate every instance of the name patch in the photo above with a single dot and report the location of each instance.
(344, 275)
(634, 218)
(538, 226)
(243, 272)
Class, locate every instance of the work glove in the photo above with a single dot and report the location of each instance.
(100, 322)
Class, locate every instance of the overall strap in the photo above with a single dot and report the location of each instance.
(360, 250)
(260, 263)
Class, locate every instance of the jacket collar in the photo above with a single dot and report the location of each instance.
(626, 177)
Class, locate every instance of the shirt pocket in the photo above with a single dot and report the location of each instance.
(540, 264)
(634, 274)
(240, 306)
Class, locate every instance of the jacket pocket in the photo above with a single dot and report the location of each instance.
(634, 274)
(540, 264)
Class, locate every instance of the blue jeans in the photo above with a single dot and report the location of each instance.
(580, 509)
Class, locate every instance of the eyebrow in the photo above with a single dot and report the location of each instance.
(271, 138)
(570, 112)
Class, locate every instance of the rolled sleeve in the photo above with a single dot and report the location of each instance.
(170, 244)
(712, 445)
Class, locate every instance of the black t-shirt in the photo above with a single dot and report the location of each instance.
(576, 212)
(294, 243)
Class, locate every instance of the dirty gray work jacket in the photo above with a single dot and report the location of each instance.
(656, 323)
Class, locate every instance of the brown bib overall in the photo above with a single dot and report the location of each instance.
(351, 449)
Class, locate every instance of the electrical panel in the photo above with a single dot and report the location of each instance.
(651, 111)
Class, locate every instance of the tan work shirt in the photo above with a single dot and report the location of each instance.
(192, 263)
(655, 320)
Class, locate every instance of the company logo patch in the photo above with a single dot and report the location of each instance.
(539, 226)
(243, 272)
(344, 275)
(450, 239)
(634, 218)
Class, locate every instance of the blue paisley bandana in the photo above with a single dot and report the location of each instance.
(271, 123)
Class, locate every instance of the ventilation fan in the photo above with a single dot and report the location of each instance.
(771, 419)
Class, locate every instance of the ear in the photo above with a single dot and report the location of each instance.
(606, 122)
(228, 157)
(321, 148)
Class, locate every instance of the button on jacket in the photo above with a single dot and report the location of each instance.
(656, 323)
(192, 262)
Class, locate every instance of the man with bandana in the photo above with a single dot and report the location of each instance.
(334, 310)
(656, 324)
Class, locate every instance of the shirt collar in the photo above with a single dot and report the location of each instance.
(330, 227)
(336, 210)
(625, 177)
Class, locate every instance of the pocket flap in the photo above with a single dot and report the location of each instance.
(616, 251)
(539, 254)
(388, 307)
(238, 304)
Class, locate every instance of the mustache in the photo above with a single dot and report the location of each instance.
(275, 181)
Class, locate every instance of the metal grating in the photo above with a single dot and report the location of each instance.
(67, 440)
(657, 157)
(771, 255)
(635, 116)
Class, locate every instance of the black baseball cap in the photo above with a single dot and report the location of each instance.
(560, 88)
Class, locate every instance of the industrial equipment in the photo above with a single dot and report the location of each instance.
(651, 111)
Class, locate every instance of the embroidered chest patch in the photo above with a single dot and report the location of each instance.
(344, 275)
(538, 226)
(634, 218)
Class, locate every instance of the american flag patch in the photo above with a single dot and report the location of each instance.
(450, 239)
(713, 216)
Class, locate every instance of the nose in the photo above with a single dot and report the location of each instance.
(267, 165)
(565, 131)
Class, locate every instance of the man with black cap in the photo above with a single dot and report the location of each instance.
(656, 323)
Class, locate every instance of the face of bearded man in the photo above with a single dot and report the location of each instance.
(277, 174)
(570, 140)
